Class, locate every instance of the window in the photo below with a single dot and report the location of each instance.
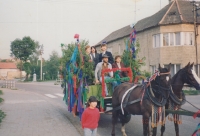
(178, 38)
(173, 39)
(153, 69)
(165, 39)
(173, 69)
(171, 35)
(191, 39)
(197, 69)
(187, 38)
(156, 40)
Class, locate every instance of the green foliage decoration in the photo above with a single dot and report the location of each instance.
(86, 66)
(134, 63)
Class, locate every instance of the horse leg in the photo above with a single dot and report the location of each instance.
(154, 131)
(114, 121)
(123, 129)
(162, 129)
(145, 125)
(176, 128)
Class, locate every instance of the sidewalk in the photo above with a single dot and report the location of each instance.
(28, 114)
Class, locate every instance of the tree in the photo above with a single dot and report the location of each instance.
(35, 55)
(51, 66)
(27, 69)
(22, 49)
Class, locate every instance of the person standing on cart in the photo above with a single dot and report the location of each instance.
(119, 64)
(101, 66)
(105, 52)
(95, 56)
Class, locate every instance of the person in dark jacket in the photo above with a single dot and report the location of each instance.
(105, 52)
(94, 56)
(119, 64)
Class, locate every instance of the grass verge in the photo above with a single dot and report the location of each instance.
(191, 92)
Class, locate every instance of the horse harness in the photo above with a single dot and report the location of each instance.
(147, 94)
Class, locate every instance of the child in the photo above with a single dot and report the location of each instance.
(90, 118)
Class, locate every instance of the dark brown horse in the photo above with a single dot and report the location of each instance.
(160, 85)
(185, 75)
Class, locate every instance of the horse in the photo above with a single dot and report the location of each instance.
(160, 86)
(184, 75)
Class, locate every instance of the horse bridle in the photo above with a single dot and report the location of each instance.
(152, 98)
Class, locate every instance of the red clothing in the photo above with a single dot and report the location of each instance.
(90, 118)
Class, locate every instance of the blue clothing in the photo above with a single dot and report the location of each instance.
(90, 132)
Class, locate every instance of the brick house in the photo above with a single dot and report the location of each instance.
(165, 37)
(9, 70)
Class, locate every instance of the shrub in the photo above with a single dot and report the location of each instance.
(2, 114)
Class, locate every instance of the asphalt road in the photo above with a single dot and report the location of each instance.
(52, 93)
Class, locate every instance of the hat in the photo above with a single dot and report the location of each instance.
(103, 43)
(92, 99)
(105, 56)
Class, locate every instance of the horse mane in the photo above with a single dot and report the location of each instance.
(176, 75)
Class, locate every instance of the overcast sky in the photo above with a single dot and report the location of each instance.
(52, 22)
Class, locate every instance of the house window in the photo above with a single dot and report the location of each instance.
(173, 39)
(173, 69)
(171, 35)
(188, 38)
(156, 40)
(191, 42)
(197, 69)
(165, 39)
(153, 69)
(178, 38)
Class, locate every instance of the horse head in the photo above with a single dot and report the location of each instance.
(160, 84)
(190, 77)
(163, 78)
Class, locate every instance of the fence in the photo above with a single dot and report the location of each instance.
(58, 81)
(10, 84)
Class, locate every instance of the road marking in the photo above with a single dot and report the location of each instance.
(23, 101)
(59, 94)
(50, 95)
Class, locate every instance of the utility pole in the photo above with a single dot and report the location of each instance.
(41, 52)
(195, 5)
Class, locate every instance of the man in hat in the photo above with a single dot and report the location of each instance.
(104, 51)
(104, 64)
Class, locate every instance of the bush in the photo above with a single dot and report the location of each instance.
(2, 114)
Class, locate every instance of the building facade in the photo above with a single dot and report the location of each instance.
(166, 37)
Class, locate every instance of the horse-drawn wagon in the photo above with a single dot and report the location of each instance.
(158, 96)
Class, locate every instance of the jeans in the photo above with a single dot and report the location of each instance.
(90, 132)
(114, 84)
